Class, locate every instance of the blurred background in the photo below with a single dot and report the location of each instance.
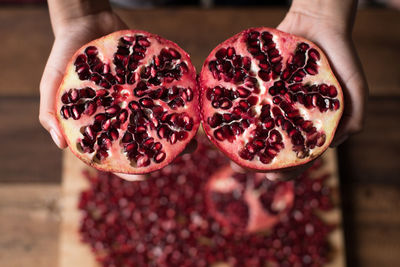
(30, 164)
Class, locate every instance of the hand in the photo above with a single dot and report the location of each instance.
(329, 24)
(333, 34)
(69, 37)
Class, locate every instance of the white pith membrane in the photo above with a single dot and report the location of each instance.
(237, 200)
(276, 155)
(179, 97)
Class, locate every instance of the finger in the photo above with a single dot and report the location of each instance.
(131, 177)
(355, 89)
(49, 84)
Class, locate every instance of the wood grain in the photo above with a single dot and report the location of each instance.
(75, 253)
(29, 225)
(27, 153)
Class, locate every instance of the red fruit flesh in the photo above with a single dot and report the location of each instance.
(165, 220)
(269, 99)
(128, 102)
(247, 201)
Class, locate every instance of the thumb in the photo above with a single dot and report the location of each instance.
(49, 84)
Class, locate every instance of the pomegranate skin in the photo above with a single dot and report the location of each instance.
(269, 100)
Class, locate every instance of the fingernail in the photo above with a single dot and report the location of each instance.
(55, 137)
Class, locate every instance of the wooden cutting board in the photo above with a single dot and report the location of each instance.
(77, 254)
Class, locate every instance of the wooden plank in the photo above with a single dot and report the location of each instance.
(372, 224)
(373, 155)
(27, 152)
(75, 253)
(29, 225)
(27, 39)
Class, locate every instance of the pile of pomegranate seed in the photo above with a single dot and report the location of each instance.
(165, 221)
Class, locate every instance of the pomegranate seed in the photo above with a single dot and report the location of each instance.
(146, 102)
(313, 54)
(243, 92)
(65, 98)
(134, 106)
(106, 124)
(332, 91)
(159, 157)
(311, 68)
(81, 59)
(101, 155)
(163, 131)
(123, 116)
(91, 51)
(113, 110)
(221, 54)
(127, 138)
(143, 161)
(65, 112)
(173, 138)
(264, 75)
(246, 154)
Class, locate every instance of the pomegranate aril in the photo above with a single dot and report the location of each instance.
(176, 103)
(101, 155)
(65, 112)
(127, 138)
(143, 161)
(243, 92)
(134, 106)
(159, 157)
(264, 75)
(225, 103)
(332, 91)
(113, 110)
(173, 138)
(76, 111)
(265, 158)
(246, 154)
(80, 59)
(91, 51)
(163, 131)
(334, 104)
(113, 134)
(90, 108)
(146, 102)
(65, 98)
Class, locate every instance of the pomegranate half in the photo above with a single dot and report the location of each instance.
(269, 99)
(128, 102)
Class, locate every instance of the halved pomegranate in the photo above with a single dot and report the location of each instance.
(129, 102)
(269, 99)
(246, 201)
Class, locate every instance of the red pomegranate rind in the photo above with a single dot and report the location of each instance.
(247, 201)
(269, 99)
(128, 102)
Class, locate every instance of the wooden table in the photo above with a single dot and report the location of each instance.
(30, 165)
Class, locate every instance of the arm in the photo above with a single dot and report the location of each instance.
(74, 23)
